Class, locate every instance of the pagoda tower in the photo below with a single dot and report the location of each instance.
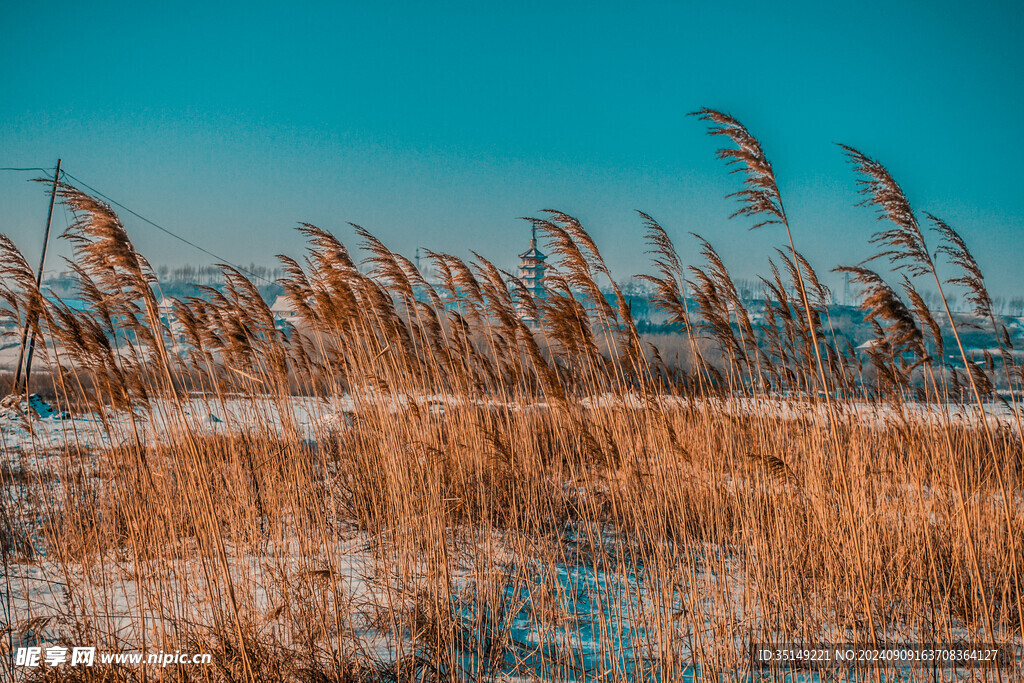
(532, 267)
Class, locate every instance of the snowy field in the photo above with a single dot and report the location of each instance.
(310, 417)
(571, 620)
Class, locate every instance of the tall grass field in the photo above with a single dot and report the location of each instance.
(460, 479)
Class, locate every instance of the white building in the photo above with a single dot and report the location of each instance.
(284, 311)
(532, 269)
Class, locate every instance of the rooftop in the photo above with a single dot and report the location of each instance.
(533, 252)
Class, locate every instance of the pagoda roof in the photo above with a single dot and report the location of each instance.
(533, 252)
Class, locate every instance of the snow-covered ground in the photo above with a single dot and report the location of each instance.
(309, 417)
(566, 620)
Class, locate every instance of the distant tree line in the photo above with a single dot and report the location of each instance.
(212, 275)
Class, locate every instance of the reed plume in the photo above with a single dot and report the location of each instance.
(669, 294)
(759, 198)
(902, 336)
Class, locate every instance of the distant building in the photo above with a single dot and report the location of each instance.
(165, 310)
(532, 269)
(284, 311)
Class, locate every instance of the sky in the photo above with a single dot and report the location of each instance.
(440, 124)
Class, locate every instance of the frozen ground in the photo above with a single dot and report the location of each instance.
(571, 620)
(309, 417)
(568, 622)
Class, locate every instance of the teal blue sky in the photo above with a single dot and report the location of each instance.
(438, 124)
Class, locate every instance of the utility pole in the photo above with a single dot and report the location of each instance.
(31, 336)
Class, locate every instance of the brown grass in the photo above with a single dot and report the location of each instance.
(458, 463)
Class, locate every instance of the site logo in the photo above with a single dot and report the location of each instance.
(86, 656)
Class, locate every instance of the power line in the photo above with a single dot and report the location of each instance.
(156, 225)
(165, 230)
(11, 168)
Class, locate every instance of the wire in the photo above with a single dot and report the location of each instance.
(165, 230)
(11, 168)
